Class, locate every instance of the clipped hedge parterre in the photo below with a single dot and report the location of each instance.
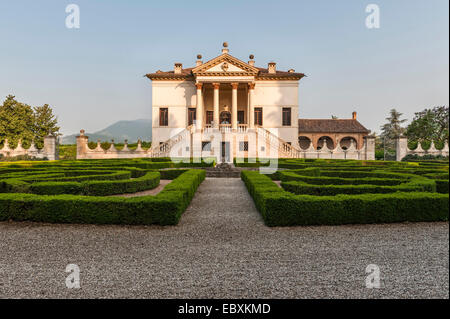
(76, 193)
(335, 193)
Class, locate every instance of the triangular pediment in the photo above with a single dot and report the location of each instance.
(227, 65)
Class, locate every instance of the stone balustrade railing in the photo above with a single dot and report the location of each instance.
(402, 149)
(161, 150)
(49, 151)
(190, 142)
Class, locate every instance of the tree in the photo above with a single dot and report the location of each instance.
(430, 125)
(45, 123)
(393, 128)
(16, 121)
(21, 121)
(390, 131)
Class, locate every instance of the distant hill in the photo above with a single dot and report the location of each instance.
(119, 131)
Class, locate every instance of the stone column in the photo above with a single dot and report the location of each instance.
(216, 104)
(199, 111)
(50, 149)
(234, 110)
(82, 145)
(370, 147)
(251, 107)
(401, 147)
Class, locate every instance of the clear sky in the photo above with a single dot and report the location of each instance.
(93, 76)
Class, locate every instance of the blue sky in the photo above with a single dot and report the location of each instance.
(93, 76)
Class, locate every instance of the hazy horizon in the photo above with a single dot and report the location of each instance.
(93, 76)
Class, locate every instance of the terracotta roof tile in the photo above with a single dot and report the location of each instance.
(265, 73)
(330, 126)
(187, 73)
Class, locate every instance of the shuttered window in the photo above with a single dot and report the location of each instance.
(192, 116)
(163, 117)
(258, 116)
(286, 116)
(209, 117)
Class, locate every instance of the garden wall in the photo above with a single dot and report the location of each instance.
(49, 151)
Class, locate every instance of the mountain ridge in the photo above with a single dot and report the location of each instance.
(130, 130)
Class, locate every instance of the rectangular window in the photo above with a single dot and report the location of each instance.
(192, 116)
(240, 117)
(243, 146)
(258, 116)
(206, 146)
(163, 117)
(209, 117)
(286, 116)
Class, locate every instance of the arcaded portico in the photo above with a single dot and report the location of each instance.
(223, 105)
(332, 133)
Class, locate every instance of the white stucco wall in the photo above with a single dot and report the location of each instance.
(272, 96)
(177, 96)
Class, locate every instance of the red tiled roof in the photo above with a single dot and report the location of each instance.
(187, 73)
(331, 126)
(265, 73)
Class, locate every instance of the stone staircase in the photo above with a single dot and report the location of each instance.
(163, 150)
(284, 149)
(223, 170)
(278, 145)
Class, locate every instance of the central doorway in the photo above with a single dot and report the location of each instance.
(225, 117)
(225, 152)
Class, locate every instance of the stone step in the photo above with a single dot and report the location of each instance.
(223, 174)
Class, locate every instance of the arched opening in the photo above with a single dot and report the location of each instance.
(304, 142)
(325, 139)
(346, 142)
(225, 117)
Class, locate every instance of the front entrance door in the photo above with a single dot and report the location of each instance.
(225, 152)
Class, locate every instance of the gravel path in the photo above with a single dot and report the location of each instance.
(221, 249)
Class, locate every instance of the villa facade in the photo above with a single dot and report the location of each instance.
(227, 108)
(231, 97)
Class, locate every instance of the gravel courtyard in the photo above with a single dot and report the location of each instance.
(221, 249)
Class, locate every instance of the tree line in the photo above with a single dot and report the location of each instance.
(429, 125)
(20, 121)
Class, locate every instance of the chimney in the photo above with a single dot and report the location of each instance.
(225, 48)
(199, 60)
(354, 115)
(251, 62)
(177, 68)
(272, 67)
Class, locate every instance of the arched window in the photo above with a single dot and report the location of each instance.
(225, 117)
(325, 139)
(346, 142)
(304, 142)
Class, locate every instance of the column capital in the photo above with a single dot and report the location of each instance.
(234, 86)
(251, 86)
(216, 86)
(199, 86)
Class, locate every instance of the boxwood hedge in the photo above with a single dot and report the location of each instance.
(279, 207)
(164, 208)
(74, 191)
